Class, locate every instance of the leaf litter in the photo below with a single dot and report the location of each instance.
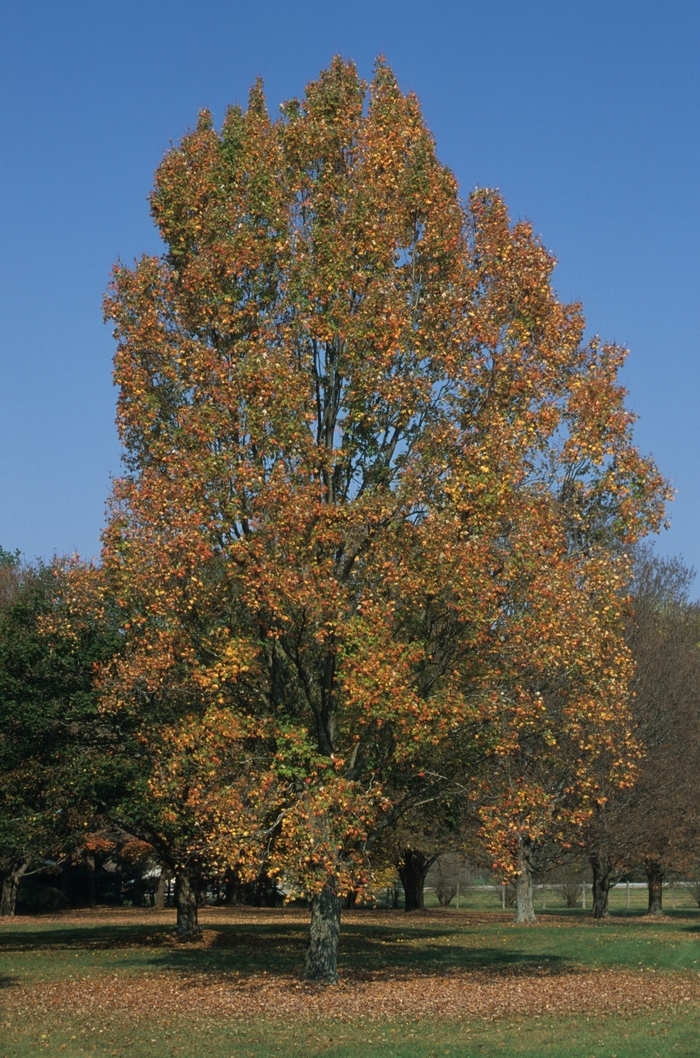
(370, 995)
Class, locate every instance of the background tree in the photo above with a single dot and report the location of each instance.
(439, 825)
(449, 876)
(661, 823)
(348, 407)
(52, 739)
(559, 672)
(654, 824)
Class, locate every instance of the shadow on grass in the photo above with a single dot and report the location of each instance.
(84, 938)
(277, 947)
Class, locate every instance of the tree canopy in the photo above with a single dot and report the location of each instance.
(376, 492)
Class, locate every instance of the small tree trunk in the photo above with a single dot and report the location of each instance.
(137, 899)
(601, 884)
(10, 884)
(230, 889)
(655, 881)
(91, 887)
(67, 882)
(186, 904)
(524, 901)
(413, 872)
(350, 899)
(160, 893)
(322, 954)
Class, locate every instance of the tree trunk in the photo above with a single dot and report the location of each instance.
(413, 872)
(186, 904)
(655, 881)
(137, 899)
(601, 884)
(350, 899)
(67, 882)
(322, 953)
(160, 894)
(91, 888)
(230, 889)
(10, 884)
(524, 897)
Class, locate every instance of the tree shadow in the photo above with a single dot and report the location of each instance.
(278, 947)
(362, 951)
(88, 938)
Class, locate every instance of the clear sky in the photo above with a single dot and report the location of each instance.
(585, 114)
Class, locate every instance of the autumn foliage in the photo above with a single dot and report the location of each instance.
(375, 498)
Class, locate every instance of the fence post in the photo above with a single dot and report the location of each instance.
(583, 897)
(503, 895)
(544, 896)
(628, 894)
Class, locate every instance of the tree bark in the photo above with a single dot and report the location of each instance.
(91, 888)
(186, 904)
(10, 884)
(601, 884)
(322, 954)
(655, 882)
(137, 898)
(413, 872)
(524, 898)
(160, 894)
(230, 889)
(67, 882)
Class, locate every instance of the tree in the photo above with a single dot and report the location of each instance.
(661, 825)
(349, 406)
(414, 844)
(558, 682)
(561, 716)
(448, 875)
(654, 824)
(52, 739)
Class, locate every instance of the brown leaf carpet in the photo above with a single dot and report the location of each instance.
(381, 995)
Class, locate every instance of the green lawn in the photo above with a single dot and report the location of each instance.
(133, 954)
(636, 1037)
(479, 898)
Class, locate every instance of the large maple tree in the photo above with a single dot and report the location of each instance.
(362, 437)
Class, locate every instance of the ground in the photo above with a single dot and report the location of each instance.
(440, 982)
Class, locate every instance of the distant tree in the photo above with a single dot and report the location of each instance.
(449, 876)
(661, 823)
(654, 824)
(415, 842)
(52, 738)
(566, 711)
(9, 575)
(10, 559)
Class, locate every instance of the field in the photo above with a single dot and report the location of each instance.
(440, 982)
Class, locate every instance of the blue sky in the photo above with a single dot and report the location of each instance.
(585, 114)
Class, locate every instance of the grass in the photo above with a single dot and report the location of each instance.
(637, 1037)
(486, 899)
(133, 958)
